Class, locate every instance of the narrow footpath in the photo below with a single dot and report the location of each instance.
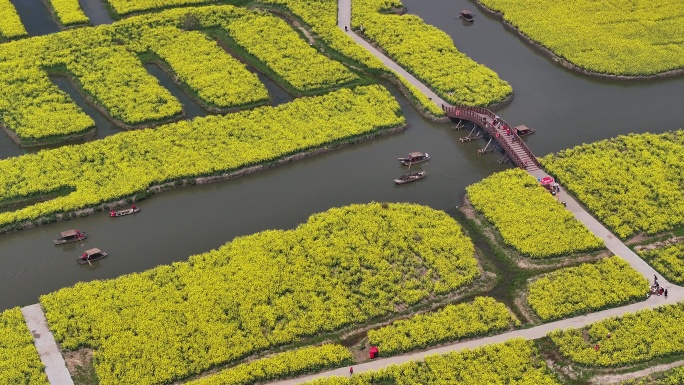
(57, 372)
(344, 20)
(613, 244)
(531, 334)
(55, 367)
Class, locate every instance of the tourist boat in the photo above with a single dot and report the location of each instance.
(467, 16)
(523, 130)
(91, 255)
(415, 157)
(70, 236)
(121, 213)
(409, 176)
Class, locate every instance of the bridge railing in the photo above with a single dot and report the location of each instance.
(509, 150)
(476, 113)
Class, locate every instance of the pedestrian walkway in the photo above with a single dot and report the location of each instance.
(344, 20)
(58, 374)
(49, 352)
(613, 244)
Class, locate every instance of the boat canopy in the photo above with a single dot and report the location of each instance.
(93, 251)
(68, 233)
(416, 154)
(522, 128)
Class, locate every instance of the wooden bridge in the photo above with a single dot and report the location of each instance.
(499, 132)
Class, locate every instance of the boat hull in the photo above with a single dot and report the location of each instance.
(407, 162)
(70, 240)
(122, 213)
(411, 178)
(97, 258)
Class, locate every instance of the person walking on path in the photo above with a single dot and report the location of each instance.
(351, 370)
(665, 293)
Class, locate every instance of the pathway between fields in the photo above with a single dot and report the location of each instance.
(49, 352)
(676, 293)
(58, 374)
(344, 19)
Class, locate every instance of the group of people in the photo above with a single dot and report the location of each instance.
(656, 289)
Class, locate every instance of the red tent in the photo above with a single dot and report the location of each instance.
(373, 352)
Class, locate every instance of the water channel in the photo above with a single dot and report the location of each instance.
(565, 108)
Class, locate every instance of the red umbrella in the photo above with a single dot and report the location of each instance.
(373, 353)
(546, 180)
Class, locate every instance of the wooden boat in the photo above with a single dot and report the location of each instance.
(415, 157)
(121, 213)
(467, 16)
(409, 176)
(523, 130)
(70, 236)
(91, 255)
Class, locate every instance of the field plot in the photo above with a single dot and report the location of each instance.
(124, 7)
(626, 340)
(429, 54)
(640, 37)
(342, 267)
(453, 322)
(528, 217)
(274, 43)
(124, 164)
(34, 109)
(513, 362)
(632, 183)
(589, 287)
(69, 12)
(19, 361)
(105, 63)
(10, 23)
(117, 79)
(288, 364)
(217, 78)
(321, 17)
(669, 261)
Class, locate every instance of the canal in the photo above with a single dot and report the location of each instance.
(565, 108)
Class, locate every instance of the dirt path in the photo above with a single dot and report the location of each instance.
(616, 378)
